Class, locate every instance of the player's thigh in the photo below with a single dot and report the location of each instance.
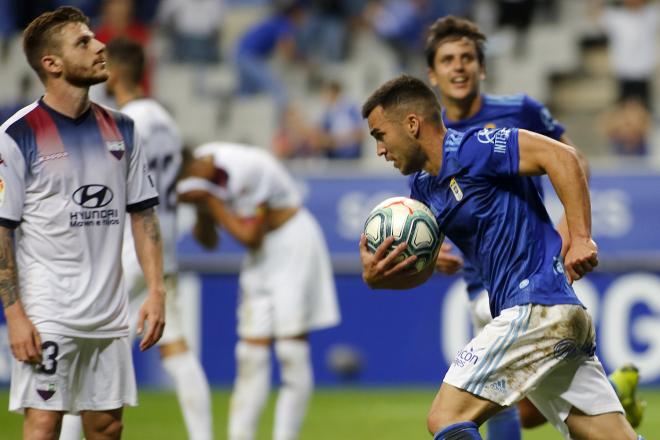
(41, 424)
(530, 416)
(453, 405)
(102, 425)
(608, 426)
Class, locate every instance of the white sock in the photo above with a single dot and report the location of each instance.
(193, 392)
(296, 389)
(251, 390)
(71, 427)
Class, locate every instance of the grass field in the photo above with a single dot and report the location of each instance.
(357, 414)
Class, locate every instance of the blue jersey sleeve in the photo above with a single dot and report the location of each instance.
(536, 117)
(490, 152)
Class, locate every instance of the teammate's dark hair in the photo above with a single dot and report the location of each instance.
(39, 37)
(452, 28)
(404, 94)
(130, 55)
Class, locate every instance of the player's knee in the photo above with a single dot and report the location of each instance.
(530, 416)
(437, 420)
(108, 430)
(293, 357)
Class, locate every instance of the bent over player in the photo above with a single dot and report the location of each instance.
(70, 171)
(286, 282)
(541, 342)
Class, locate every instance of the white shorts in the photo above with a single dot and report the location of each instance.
(77, 374)
(543, 352)
(173, 327)
(287, 286)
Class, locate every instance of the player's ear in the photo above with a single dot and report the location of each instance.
(482, 73)
(432, 78)
(52, 64)
(412, 124)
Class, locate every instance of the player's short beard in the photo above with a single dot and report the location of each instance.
(81, 78)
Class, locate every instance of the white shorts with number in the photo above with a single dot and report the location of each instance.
(287, 286)
(543, 352)
(77, 374)
(173, 327)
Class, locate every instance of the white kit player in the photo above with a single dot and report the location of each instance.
(286, 282)
(162, 148)
(70, 170)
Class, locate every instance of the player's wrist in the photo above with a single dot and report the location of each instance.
(15, 311)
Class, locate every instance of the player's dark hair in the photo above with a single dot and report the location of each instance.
(404, 93)
(39, 37)
(452, 28)
(130, 55)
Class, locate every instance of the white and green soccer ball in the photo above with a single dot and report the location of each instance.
(409, 221)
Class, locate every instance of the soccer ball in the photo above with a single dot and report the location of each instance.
(411, 222)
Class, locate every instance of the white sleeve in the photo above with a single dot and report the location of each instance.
(12, 181)
(140, 186)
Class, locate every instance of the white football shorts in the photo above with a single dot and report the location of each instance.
(173, 327)
(287, 286)
(480, 312)
(543, 352)
(76, 374)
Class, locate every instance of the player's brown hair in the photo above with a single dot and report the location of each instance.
(39, 37)
(130, 55)
(452, 28)
(404, 93)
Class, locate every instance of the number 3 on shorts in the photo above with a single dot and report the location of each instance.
(50, 350)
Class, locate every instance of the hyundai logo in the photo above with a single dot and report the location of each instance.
(93, 196)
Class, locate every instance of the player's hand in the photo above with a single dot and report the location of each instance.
(153, 312)
(24, 338)
(447, 262)
(381, 266)
(581, 258)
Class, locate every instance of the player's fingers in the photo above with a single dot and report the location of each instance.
(36, 347)
(446, 247)
(393, 256)
(147, 339)
(403, 266)
(384, 247)
(140, 323)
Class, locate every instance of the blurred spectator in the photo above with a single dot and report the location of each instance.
(24, 98)
(194, 29)
(326, 32)
(293, 138)
(632, 32)
(400, 24)
(118, 20)
(628, 127)
(273, 35)
(341, 133)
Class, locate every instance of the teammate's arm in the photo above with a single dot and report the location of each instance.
(24, 338)
(248, 231)
(541, 155)
(381, 271)
(149, 249)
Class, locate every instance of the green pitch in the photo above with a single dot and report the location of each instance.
(356, 414)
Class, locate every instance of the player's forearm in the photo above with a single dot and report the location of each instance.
(9, 294)
(248, 233)
(570, 183)
(149, 248)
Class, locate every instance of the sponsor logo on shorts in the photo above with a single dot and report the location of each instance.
(498, 385)
(48, 392)
(569, 349)
(465, 357)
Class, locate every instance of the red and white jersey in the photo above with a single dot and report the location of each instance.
(162, 146)
(246, 177)
(66, 185)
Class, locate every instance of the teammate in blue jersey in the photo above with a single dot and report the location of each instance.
(455, 58)
(70, 172)
(541, 342)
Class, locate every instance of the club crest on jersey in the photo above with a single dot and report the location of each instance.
(458, 193)
(116, 148)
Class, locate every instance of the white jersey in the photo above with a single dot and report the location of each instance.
(162, 146)
(246, 178)
(66, 185)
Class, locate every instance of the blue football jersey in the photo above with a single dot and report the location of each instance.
(519, 111)
(496, 218)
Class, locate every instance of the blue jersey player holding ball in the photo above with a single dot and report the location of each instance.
(541, 341)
